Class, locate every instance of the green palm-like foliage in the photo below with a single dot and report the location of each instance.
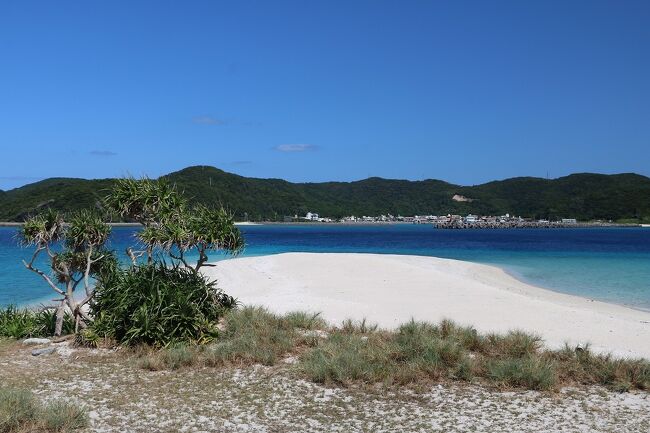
(201, 228)
(170, 224)
(145, 200)
(157, 304)
(86, 230)
(215, 229)
(17, 323)
(42, 229)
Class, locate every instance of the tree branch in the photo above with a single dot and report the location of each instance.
(134, 255)
(31, 267)
(181, 258)
(87, 299)
(89, 262)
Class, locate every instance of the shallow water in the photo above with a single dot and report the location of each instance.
(607, 264)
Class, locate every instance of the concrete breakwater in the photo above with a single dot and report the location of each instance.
(523, 225)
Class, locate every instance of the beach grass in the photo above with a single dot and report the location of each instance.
(357, 352)
(21, 412)
(250, 335)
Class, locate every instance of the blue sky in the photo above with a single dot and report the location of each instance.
(324, 90)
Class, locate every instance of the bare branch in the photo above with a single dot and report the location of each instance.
(181, 258)
(87, 299)
(134, 255)
(45, 277)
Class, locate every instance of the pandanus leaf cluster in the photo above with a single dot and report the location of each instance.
(171, 224)
(157, 304)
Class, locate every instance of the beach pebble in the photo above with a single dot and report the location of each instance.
(30, 341)
(290, 360)
(44, 351)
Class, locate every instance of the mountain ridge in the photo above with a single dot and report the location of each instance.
(585, 196)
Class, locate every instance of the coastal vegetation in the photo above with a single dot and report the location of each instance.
(416, 353)
(157, 305)
(585, 196)
(21, 412)
(76, 254)
(164, 300)
(25, 323)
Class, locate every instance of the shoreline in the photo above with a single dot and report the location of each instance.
(524, 280)
(391, 289)
(378, 223)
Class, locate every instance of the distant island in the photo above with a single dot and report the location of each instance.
(621, 198)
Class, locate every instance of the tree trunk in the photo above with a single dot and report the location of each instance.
(60, 314)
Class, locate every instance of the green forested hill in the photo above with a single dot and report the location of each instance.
(584, 196)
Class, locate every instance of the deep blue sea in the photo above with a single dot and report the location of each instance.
(609, 264)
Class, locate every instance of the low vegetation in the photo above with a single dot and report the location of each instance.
(250, 336)
(25, 323)
(183, 320)
(416, 353)
(21, 412)
(163, 301)
(157, 305)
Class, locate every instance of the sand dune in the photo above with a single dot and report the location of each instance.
(391, 289)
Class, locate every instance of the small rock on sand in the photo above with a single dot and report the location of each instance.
(44, 351)
(36, 341)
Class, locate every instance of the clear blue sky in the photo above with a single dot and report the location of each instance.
(331, 90)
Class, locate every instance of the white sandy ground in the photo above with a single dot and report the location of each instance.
(392, 289)
(120, 397)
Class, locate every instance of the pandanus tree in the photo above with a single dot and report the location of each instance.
(76, 255)
(171, 224)
(148, 202)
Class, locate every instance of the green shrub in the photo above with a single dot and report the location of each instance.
(416, 353)
(21, 412)
(158, 305)
(25, 323)
(250, 335)
(88, 338)
(466, 336)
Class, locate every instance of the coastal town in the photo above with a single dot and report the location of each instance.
(453, 221)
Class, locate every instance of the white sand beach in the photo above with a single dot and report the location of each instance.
(391, 289)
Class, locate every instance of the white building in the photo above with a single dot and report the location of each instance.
(311, 216)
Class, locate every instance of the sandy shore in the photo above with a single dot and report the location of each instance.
(392, 289)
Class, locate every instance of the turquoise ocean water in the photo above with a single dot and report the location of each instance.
(607, 264)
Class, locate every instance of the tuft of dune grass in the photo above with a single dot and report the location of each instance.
(415, 353)
(21, 412)
(525, 372)
(251, 335)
